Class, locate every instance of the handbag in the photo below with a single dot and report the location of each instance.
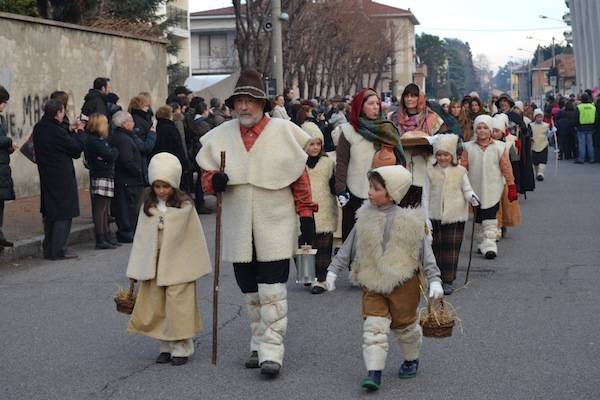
(28, 150)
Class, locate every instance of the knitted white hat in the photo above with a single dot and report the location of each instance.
(313, 130)
(165, 167)
(446, 142)
(538, 111)
(397, 180)
(444, 101)
(483, 119)
(519, 105)
(498, 122)
(474, 94)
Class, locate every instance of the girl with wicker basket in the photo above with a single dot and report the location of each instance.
(449, 198)
(386, 247)
(322, 183)
(168, 255)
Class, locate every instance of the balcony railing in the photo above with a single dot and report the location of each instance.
(209, 63)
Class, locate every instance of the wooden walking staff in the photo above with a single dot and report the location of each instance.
(217, 267)
(471, 248)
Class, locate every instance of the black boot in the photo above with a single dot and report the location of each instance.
(270, 368)
(6, 243)
(108, 238)
(102, 244)
(163, 358)
(176, 361)
(373, 381)
(448, 288)
(252, 361)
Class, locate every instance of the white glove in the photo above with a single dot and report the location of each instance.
(474, 201)
(435, 290)
(343, 199)
(330, 280)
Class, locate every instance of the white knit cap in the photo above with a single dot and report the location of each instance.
(313, 131)
(165, 167)
(519, 105)
(446, 142)
(397, 180)
(483, 119)
(474, 94)
(499, 123)
(444, 101)
(537, 111)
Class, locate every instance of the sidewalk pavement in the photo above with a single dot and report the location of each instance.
(23, 226)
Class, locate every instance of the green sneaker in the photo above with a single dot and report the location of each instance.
(373, 381)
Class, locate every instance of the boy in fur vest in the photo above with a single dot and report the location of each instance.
(489, 169)
(322, 183)
(539, 147)
(384, 249)
(450, 193)
(168, 255)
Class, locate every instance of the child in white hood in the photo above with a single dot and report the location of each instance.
(384, 249)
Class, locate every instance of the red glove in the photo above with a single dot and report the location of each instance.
(512, 193)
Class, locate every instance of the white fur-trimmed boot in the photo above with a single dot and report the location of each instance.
(273, 326)
(488, 246)
(253, 309)
(540, 169)
(375, 342)
(410, 340)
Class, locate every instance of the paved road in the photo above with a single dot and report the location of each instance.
(530, 319)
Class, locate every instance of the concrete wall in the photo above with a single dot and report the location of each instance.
(585, 15)
(40, 56)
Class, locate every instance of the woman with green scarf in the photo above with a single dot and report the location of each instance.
(368, 140)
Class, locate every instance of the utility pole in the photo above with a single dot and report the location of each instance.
(276, 46)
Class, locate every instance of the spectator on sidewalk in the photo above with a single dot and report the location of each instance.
(95, 101)
(7, 147)
(279, 110)
(55, 149)
(101, 160)
(139, 108)
(200, 126)
(216, 116)
(168, 139)
(586, 122)
(129, 180)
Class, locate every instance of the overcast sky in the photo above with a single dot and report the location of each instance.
(494, 28)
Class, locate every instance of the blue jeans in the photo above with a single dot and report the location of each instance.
(585, 142)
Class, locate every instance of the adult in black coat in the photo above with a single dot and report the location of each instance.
(95, 100)
(129, 180)
(146, 137)
(55, 149)
(6, 183)
(565, 131)
(168, 138)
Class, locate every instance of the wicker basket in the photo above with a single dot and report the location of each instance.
(439, 320)
(125, 303)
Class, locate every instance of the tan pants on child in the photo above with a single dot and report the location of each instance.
(398, 311)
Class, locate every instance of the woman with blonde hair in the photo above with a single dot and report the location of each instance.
(101, 161)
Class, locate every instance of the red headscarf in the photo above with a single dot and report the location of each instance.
(357, 105)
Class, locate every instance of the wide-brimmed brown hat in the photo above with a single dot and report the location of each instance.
(250, 83)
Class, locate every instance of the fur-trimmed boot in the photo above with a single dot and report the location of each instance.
(410, 339)
(540, 169)
(253, 309)
(273, 326)
(488, 246)
(375, 342)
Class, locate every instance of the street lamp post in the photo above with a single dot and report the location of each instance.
(529, 82)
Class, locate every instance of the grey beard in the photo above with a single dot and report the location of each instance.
(249, 122)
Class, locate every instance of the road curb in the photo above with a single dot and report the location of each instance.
(32, 247)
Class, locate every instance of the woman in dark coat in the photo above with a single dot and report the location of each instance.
(139, 108)
(6, 149)
(101, 161)
(565, 125)
(168, 138)
(55, 149)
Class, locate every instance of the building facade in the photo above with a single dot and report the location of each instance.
(583, 18)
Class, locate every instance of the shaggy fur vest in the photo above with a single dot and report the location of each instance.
(381, 267)
(258, 206)
(446, 199)
(326, 217)
(540, 136)
(484, 171)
